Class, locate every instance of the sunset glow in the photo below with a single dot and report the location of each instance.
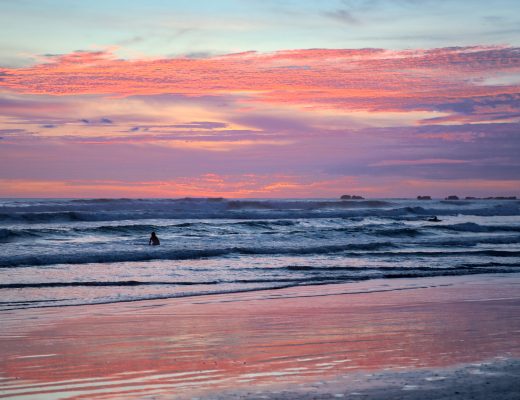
(99, 114)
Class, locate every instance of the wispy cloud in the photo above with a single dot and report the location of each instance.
(424, 161)
(366, 79)
(343, 16)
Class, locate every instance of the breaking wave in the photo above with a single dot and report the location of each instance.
(165, 254)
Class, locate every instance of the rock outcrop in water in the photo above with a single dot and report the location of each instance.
(452, 197)
(424, 197)
(351, 197)
(491, 198)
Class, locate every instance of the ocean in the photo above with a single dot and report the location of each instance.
(63, 252)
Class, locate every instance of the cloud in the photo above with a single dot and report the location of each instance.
(15, 133)
(344, 16)
(300, 121)
(363, 79)
(101, 121)
(11, 131)
(202, 125)
(424, 161)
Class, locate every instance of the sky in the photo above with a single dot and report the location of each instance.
(259, 99)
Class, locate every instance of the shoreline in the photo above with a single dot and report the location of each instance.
(208, 346)
(369, 285)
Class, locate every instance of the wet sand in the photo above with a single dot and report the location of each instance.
(495, 379)
(374, 339)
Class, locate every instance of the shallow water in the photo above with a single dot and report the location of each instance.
(202, 347)
(67, 252)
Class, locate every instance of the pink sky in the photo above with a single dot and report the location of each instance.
(292, 123)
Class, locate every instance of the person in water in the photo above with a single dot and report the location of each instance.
(154, 240)
(434, 219)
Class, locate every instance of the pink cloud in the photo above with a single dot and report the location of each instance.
(365, 79)
(294, 123)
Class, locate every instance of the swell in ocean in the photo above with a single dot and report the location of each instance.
(66, 252)
(34, 212)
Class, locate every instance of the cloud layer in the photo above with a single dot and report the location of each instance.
(310, 122)
(366, 79)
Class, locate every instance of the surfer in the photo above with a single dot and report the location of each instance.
(434, 219)
(154, 240)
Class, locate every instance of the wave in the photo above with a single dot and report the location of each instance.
(129, 209)
(103, 200)
(272, 227)
(472, 241)
(166, 283)
(267, 224)
(49, 216)
(304, 205)
(380, 249)
(160, 254)
(318, 275)
(97, 284)
(467, 227)
(398, 232)
(99, 216)
(444, 253)
(401, 269)
(8, 235)
(474, 227)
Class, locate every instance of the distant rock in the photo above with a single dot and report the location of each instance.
(424, 197)
(491, 198)
(351, 197)
(452, 197)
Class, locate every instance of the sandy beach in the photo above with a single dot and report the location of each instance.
(442, 337)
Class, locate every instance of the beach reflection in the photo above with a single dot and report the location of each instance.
(186, 347)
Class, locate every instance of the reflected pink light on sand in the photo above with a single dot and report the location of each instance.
(212, 343)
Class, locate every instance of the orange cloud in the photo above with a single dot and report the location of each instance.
(365, 79)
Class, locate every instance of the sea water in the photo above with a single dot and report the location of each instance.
(57, 252)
